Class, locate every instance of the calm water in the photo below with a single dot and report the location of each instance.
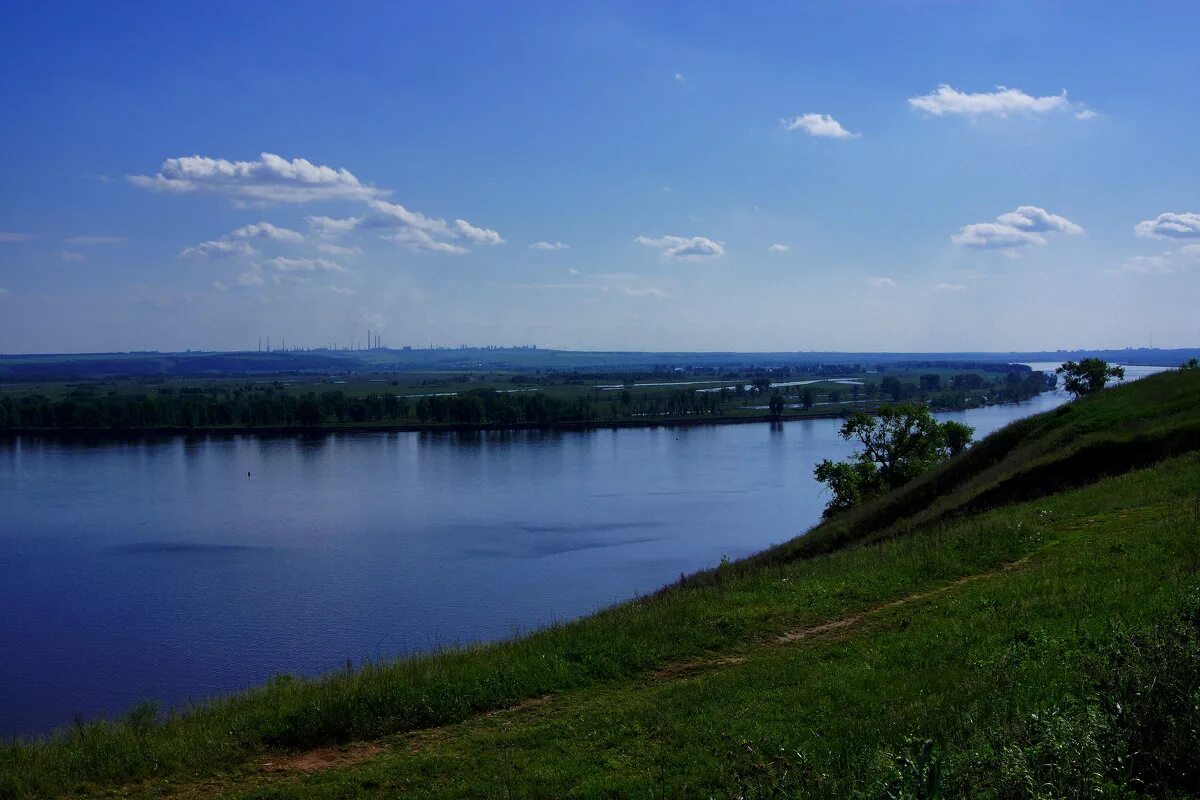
(157, 569)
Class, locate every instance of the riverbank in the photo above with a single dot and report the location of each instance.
(998, 633)
(563, 426)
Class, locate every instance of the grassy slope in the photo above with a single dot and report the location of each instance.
(692, 691)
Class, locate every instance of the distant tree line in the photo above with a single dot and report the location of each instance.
(262, 405)
(195, 409)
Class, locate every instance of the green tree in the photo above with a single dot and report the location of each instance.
(776, 405)
(807, 399)
(1189, 365)
(1088, 375)
(897, 445)
(761, 385)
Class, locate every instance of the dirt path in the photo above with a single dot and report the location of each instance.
(278, 767)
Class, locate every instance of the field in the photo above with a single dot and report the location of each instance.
(496, 398)
(1005, 640)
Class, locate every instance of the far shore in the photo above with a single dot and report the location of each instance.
(574, 425)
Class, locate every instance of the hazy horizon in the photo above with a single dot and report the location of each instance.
(919, 177)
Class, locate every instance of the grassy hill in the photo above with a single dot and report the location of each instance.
(1022, 622)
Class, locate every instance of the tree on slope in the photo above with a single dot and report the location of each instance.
(897, 445)
(1088, 375)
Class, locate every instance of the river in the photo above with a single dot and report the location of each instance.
(179, 568)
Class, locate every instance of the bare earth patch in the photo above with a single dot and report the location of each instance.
(323, 758)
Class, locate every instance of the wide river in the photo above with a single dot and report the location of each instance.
(158, 568)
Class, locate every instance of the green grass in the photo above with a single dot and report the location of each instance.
(691, 693)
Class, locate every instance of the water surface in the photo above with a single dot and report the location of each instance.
(158, 568)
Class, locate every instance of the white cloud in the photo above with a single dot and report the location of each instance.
(420, 232)
(947, 100)
(1170, 225)
(679, 77)
(220, 287)
(950, 287)
(328, 226)
(1025, 226)
(3, 291)
(270, 179)
(821, 125)
(881, 283)
(477, 235)
(8, 236)
(250, 278)
(393, 215)
(265, 230)
(992, 235)
(1038, 220)
(779, 248)
(1190, 251)
(549, 246)
(70, 255)
(338, 250)
(218, 248)
(420, 240)
(339, 290)
(305, 264)
(90, 240)
(682, 248)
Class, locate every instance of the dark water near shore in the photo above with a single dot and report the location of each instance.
(158, 569)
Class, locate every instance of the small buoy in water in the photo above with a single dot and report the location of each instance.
(247, 474)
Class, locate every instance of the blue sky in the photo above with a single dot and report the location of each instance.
(769, 176)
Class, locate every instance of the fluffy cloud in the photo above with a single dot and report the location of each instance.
(683, 248)
(549, 246)
(476, 235)
(250, 278)
(411, 228)
(8, 236)
(1038, 220)
(265, 230)
(881, 283)
(821, 125)
(1185, 225)
(950, 287)
(305, 264)
(779, 248)
(237, 243)
(70, 255)
(218, 248)
(418, 239)
(270, 179)
(1025, 226)
(91, 240)
(948, 101)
